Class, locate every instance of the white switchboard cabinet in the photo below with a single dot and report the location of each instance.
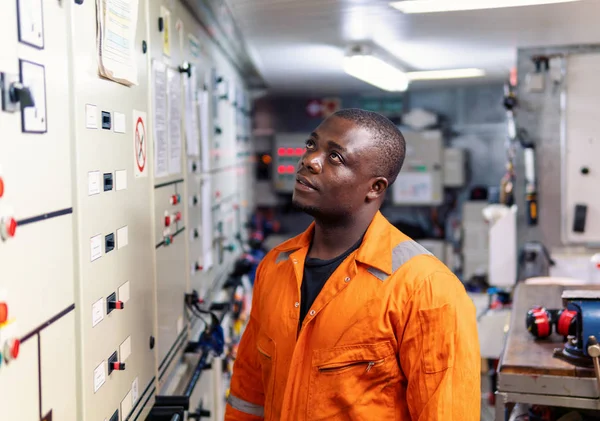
(113, 190)
(169, 177)
(124, 184)
(37, 297)
(581, 149)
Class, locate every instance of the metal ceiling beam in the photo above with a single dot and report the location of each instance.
(216, 19)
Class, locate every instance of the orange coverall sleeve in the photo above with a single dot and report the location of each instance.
(439, 351)
(246, 395)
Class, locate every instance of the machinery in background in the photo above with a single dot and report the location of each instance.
(515, 137)
(577, 322)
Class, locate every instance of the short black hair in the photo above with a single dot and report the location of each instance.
(387, 137)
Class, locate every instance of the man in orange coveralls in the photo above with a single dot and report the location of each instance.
(352, 320)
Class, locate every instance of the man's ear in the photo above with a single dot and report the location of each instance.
(378, 187)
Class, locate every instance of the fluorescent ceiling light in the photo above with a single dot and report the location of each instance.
(433, 6)
(445, 74)
(376, 72)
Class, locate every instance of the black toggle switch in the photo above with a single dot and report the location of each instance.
(218, 130)
(108, 181)
(161, 24)
(109, 242)
(579, 218)
(186, 68)
(106, 120)
(21, 94)
(195, 200)
(196, 233)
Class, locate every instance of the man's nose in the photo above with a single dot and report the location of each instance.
(313, 162)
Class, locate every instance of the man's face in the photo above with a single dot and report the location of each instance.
(335, 173)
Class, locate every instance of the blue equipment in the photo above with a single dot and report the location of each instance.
(584, 334)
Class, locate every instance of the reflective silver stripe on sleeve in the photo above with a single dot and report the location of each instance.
(284, 255)
(245, 407)
(401, 254)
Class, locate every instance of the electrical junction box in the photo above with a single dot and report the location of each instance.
(421, 180)
(580, 169)
(455, 164)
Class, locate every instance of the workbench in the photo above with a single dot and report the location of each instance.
(528, 372)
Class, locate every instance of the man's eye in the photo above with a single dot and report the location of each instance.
(310, 143)
(335, 156)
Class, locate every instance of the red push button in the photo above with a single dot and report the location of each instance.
(3, 312)
(175, 199)
(1, 187)
(167, 221)
(178, 216)
(11, 349)
(8, 227)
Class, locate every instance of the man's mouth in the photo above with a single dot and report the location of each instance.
(304, 181)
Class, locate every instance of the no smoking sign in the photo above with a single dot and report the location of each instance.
(140, 145)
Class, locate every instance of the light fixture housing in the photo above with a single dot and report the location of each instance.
(435, 6)
(375, 71)
(381, 70)
(446, 74)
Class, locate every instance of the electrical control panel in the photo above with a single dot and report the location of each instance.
(288, 149)
(421, 180)
(125, 183)
(38, 370)
(114, 218)
(580, 171)
(168, 69)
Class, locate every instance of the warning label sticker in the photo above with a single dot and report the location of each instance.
(140, 144)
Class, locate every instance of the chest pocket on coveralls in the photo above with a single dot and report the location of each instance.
(344, 377)
(266, 355)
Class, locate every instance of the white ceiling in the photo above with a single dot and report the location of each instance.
(298, 45)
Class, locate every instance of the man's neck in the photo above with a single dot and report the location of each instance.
(330, 241)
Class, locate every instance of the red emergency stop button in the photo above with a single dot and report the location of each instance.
(1, 187)
(3, 312)
(11, 349)
(8, 227)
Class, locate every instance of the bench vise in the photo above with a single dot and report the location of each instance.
(582, 345)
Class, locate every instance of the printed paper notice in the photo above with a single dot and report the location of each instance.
(207, 227)
(413, 187)
(174, 136)
(191, 117)
(204, 133)
(165, 14)
(161, 145)
(116, 30)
